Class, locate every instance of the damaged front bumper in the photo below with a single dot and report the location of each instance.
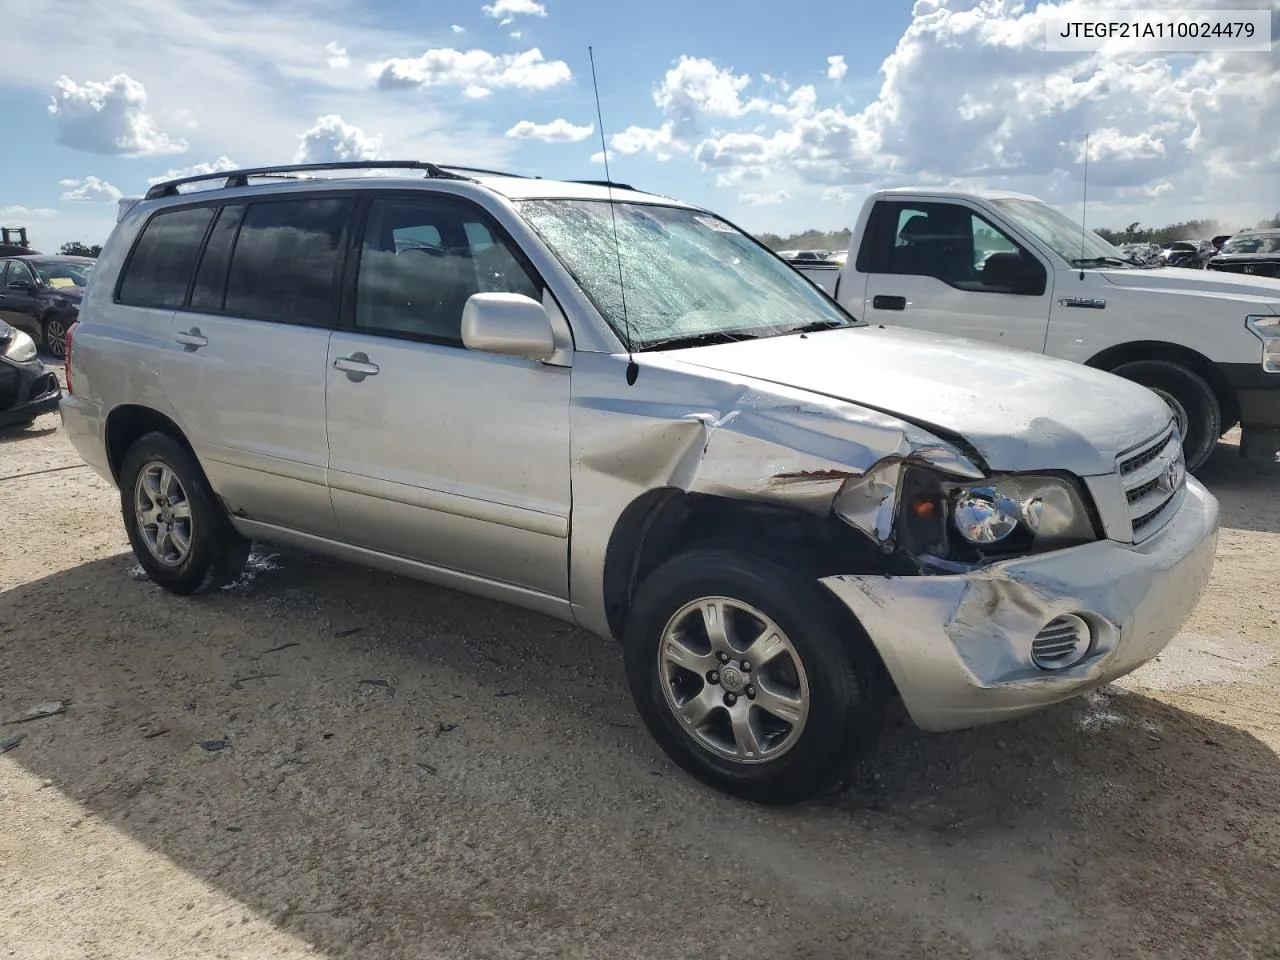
(959, 647)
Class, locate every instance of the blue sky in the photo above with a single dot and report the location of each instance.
(780, 118)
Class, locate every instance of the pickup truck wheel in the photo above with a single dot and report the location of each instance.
(1195, 408)
(748, 678)
(179, 531)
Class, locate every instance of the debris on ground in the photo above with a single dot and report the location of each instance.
(8, 743)
(214, 745)
(49, 708)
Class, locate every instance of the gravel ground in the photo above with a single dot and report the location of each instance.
(327, 761)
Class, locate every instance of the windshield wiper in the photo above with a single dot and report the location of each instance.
(1103, 261)
(706, 339)
(817, 326)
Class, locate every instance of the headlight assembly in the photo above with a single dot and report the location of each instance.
(20, 347)
(970, 522)
(1267, 329)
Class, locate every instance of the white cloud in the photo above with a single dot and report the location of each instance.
(836, 68)
(196, 169)
(696, 87)
(457, 29)
(661, 143)
(108, 117)
(516, 34)
(477, 72)
(17, 215)
(337, 56)
(837, 195)
(764, 199)
(511, 8)
(557, 131)
(332, 139)
(91, 189)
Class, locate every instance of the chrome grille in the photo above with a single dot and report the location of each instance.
(1153, 475)
(1063, 642)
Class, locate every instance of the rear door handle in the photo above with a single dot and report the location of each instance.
(356, 367)
(881, 302)
(192, 338)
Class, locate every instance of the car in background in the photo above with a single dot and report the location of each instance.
(1188, 253)
(1219, 240)
(41, 295)
(27, 388)
(1255, 252)
(1144, 253)
(805, 255)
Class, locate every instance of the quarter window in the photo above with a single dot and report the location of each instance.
(160, 267)
(285, 260)
(421, 261)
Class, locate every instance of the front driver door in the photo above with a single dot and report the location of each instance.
(439, 454)
(932, 269)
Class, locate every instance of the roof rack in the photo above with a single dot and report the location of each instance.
(240, 178)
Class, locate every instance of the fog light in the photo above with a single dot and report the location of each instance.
(1063, 642)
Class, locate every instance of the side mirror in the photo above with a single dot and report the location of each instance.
(509, 324)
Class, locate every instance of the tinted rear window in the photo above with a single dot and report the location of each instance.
(160, 267)
(211, 277)
(285, 258)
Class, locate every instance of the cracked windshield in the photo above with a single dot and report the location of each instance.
(687, 277)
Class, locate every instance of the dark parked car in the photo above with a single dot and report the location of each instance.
(1188, 253)
(41, 295)
(27, 389)
(1255, 251)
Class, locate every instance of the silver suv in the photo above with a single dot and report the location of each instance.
(620, 410)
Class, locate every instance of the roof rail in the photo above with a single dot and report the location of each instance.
(240, 178)
(605, 183)
(482, 170)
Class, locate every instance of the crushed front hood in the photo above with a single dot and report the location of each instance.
(1018, 410)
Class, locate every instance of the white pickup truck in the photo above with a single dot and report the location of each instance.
(1010, 269)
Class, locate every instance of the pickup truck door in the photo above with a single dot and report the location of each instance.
(945, 267)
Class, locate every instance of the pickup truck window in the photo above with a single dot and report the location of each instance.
(951, 243)
(1064, 236)
(689, 277)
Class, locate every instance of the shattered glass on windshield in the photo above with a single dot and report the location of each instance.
(686, 276)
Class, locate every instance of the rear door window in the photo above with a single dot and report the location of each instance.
(160, 266)
(211, 276)
(284, 264)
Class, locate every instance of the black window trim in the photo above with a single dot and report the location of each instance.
(204, 246)
(331, 315)
(360, 221)
(137, 242)
(885, 234)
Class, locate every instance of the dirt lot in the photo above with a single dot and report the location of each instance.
(408, 772)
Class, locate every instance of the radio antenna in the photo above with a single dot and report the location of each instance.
(1084, 203)
(633, 369)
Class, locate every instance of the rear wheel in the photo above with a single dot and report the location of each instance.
(1195, 408)
(179, 531)
(749, 677)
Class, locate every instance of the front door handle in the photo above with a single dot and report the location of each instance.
(881, 302)
(356, 367)
(193, 339)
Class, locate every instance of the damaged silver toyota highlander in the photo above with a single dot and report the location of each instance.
(619, 410)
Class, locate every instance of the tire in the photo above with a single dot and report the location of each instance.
(1191, 399)
(840, 680)
(53, 331)
(215, 554)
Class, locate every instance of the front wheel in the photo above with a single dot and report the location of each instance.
(179, 531)
(1195, 407)
(750, 678)
(55, 335)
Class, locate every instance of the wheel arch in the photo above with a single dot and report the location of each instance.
(660, 523)
(128, 422)
(1113, 357)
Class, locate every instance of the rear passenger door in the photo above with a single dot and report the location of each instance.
(244, 368)
(437, 453)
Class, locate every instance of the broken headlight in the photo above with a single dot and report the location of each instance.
(975, 521)
(19, 347)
